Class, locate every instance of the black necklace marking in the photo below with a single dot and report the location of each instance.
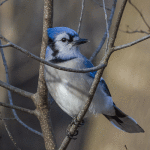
(51, 43)
(59, 60)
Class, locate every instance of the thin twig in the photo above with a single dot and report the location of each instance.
(3, 2)
(131, 43)
(126, 147)
(100, 5)
(140, 14)
(31, 112)
(107, 30)
(7, 45)
(81, 16)
(115, 31)
(10, 97)
(6, 127)
(135, 31)
(42, 60)
(16, 90)
(7, 119)
(98, 75)
(105, 34)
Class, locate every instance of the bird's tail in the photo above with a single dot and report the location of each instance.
(124, 122)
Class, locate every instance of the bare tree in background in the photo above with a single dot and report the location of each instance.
(42, 111)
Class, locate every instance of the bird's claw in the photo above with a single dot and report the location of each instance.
(72, 136)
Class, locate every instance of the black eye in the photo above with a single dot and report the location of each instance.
(63, 39)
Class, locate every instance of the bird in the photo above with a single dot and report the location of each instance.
(70, 90)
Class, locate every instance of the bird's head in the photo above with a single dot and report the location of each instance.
(64, 42)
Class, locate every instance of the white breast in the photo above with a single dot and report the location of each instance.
(70, 90)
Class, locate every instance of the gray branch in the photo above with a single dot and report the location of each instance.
(98, 75)
(9, 134)
(10, 97)
(31, 112)
(42, 60)
(105, 34)
(16, 90)
(139, 14)
(41, 95)
(81, 16)
(131, 44)
(3, 2)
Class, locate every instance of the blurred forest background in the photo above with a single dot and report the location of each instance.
(127, 73)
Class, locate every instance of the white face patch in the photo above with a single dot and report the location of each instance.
(64, 44)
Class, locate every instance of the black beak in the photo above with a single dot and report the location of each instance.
(80, 41)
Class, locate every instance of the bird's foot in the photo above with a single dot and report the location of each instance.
(72, 135)
(75, 122)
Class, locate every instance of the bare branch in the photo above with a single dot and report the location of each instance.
(100, 5)
(135, 31)
(12, 139)
(117, 23)
(105, 7)
(16, 90)
(131, 44)
(140, 14)
(95, 83)
(3, 2)
(41, 95)
(10, 97)
(126, 147)
(105, 34)
(3, 46)
(107, 30)
(7, 119)
(31, 112)
(42, 60)
(81, 16)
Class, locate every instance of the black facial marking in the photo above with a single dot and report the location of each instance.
(70, 38)
(59, 60)
(55, 52)
(51, 43)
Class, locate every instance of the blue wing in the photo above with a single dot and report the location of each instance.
(103, 84)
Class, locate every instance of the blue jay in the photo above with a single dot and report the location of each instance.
(70, 89)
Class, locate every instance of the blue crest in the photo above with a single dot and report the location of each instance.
(52, 32)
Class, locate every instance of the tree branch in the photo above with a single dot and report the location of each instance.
(16, 90)
(10, 97)
(6, 119)
(100, 5)
(98, 75)
(4, 46)
(140, 14)
(105, 34)
(81, 16)
(31, 112)
(135, 31)
(107, 28)
(3, 2)
(42, 60)
(131, 44)
(115, 31)
(12, 139)
(41, 101)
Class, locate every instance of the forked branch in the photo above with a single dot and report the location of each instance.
(98, 75)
